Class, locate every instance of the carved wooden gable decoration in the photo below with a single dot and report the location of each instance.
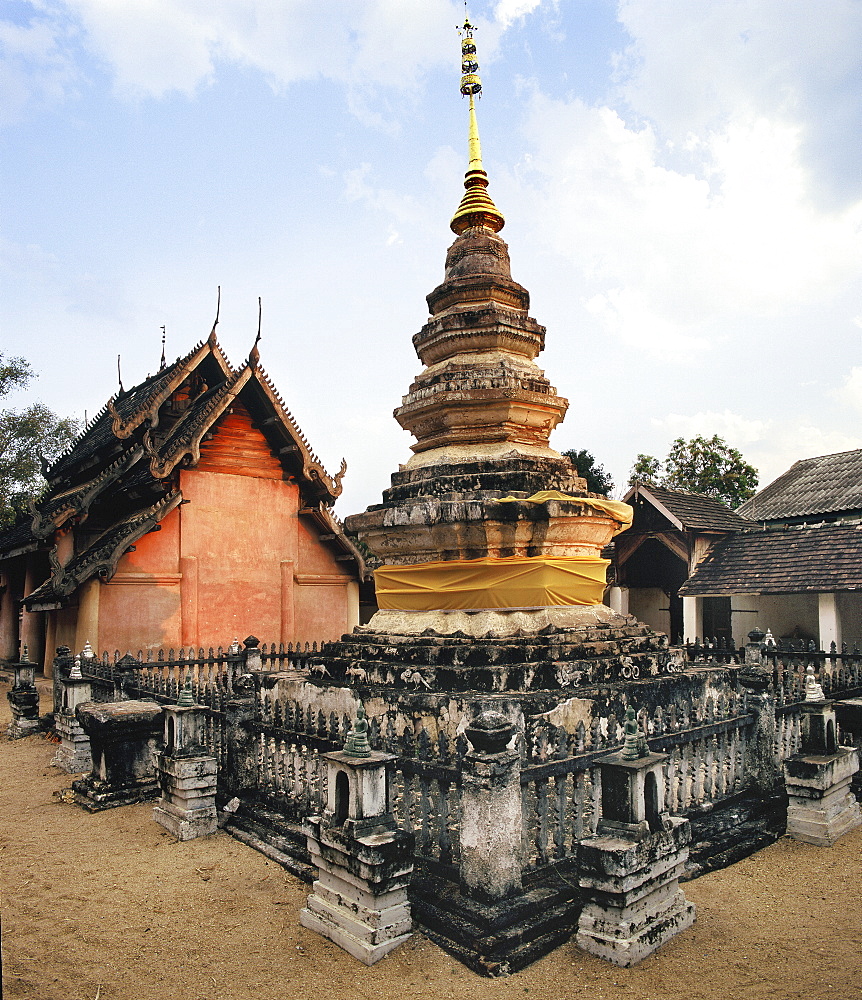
(121, 477)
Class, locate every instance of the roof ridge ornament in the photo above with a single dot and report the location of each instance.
(211, 340)
(254, 354)
(477, 209)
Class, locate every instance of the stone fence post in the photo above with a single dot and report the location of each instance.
(761, 767)
(240, 772)
(491, 844)
(253, 661)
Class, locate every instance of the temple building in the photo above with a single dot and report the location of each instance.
(191, 511)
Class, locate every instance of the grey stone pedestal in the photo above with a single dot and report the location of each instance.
(820, 806)
(23, 700)
(634, 903)
(187, 774)
(629, 872)
(364, 862)
(123, 738)
(73, 755)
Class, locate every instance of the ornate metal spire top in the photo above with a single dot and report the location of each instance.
(476, 208)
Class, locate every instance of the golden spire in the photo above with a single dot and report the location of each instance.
(476, 208)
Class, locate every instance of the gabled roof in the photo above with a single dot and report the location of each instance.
(788, 560)
(827, 485)
(125, 460)
(689, 511)
(102, 439)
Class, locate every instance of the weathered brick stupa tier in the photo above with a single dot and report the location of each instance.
(485, 515)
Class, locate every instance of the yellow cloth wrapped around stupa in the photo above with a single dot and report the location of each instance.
(475, 584)
(503, 583)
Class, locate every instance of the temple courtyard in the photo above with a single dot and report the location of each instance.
(110, 907)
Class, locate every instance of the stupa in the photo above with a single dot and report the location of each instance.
(486, 530)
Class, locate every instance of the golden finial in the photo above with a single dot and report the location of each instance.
(476, 208)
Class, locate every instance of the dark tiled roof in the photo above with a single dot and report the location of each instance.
(17, 538)
(103, 555)
(98, 432)
(695, 511)
(792, 560)
(828, 484)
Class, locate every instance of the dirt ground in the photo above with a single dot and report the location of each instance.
(110, 907)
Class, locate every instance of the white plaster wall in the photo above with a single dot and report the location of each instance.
(644, 604)
(781, 613)
(742, 624)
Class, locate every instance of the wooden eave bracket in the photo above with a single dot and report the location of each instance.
(64, 583)
(333, 532)
(81, 498)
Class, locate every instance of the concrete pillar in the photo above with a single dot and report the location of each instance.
(87, 624)
(9, 611)
(240, 777)
(760, 765)
(829, 623)
(288, 621)
(50, 639)
(33, 622)
(189, 600)
(491, 845)
(618, 600)
(692, 618)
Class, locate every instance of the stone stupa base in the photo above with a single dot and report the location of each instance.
(493, 623)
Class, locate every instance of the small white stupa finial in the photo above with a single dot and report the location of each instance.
(813, 691)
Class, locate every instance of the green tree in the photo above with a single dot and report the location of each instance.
(14, 373)
(702, 465)
(26, 437)
(598, 481)
(645, 470)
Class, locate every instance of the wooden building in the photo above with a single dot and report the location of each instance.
(672, 531)
(191, 511)
(797, 570)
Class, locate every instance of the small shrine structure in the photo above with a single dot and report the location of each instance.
(191, 509)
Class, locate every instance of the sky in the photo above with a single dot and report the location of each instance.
(681, 181)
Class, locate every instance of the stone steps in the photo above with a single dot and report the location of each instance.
(275, 837)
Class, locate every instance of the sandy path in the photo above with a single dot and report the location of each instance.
(110, 906)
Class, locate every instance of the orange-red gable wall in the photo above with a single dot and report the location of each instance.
(234, 560)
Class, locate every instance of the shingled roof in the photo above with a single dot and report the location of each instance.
(790, 560)
(689, 511)
(828, 486)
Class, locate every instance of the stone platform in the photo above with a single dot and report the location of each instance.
(527, 650)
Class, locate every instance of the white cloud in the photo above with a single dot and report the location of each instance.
(672, 259)
(851, 392)
(771, 446)
(696, 65)
(508, 11)
(157, 46)
(35, 68)
(736, 429)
